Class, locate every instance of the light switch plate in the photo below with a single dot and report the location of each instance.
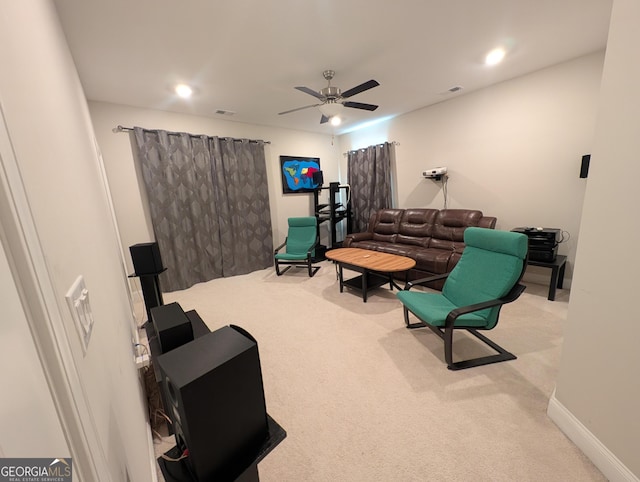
(78, 301)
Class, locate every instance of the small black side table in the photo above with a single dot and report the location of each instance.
(557, 273)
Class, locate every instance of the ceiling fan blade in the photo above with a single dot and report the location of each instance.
(359, 105)
(299, 108)
(324, 119)
(309, 91)
(370, 84)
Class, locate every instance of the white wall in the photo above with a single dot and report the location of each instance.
(513, 150)
(26, 400)
(50, 130)
(125, 180)
(598, 383)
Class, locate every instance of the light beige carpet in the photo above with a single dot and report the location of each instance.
(364, 399)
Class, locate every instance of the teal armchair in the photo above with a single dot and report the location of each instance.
(487, 276)
(300, 244)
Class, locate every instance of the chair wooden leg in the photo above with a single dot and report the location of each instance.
(447, 337)
(411, 326)
(311, 269)
(278, 272)
(448, 347)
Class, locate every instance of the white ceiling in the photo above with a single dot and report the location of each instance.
(246, 56)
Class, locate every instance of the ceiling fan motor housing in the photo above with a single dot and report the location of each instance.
(330, 92)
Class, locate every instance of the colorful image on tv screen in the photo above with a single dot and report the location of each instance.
(297, 174)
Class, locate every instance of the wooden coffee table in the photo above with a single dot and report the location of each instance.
(377, 268)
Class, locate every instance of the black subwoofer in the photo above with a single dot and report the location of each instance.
(216, 402)
(172, 326)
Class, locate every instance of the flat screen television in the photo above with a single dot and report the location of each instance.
(298, 174)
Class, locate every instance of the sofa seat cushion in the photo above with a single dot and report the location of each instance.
(368, 244)
(448, 244)
(433, 260)
(400, 249)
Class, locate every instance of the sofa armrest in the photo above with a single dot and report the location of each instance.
(487, 222)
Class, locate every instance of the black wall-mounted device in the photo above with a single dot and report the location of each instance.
(584, 165)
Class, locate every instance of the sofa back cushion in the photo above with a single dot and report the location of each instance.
(448, 232)
(416, 226)
(386, 225)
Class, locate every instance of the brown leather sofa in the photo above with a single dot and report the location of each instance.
(432, 237)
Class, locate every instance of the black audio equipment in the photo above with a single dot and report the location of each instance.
(543, 242)
(173, 327)
(584, 165)
(146, 258)
(216, 402)
(318, 178)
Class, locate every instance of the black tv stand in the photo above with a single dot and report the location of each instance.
(333, 212)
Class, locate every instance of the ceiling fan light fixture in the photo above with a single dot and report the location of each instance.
(331, 109)
(495, 56)
(184, 91)
(335, 120)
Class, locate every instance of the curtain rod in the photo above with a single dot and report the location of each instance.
(130, 129)
(395, 143)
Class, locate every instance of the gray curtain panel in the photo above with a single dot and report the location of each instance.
(209, 205)
(369, 175)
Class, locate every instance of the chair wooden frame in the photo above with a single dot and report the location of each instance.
(306, 263)
(446, 333)
(301, 241)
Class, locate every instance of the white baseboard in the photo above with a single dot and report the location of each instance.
(152, 454)
(601, 456)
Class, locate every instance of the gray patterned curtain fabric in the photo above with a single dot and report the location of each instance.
(369, 175)
(209, 205)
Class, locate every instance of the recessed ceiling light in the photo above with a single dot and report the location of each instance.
(184, 91)
(495, 56)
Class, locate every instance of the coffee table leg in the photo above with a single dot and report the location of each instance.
(364, 285)
(340, 275)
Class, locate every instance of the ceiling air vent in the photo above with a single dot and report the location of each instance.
(224, 112)
(455, 88)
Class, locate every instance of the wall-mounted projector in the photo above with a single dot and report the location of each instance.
(434, 173)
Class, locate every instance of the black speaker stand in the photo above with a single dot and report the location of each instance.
(179, 472)
(151, 293)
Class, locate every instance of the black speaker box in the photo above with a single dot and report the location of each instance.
(146, 258)
(173, 327)
(216, 402)
(318, 178)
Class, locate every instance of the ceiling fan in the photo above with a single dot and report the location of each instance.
(333, 99)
